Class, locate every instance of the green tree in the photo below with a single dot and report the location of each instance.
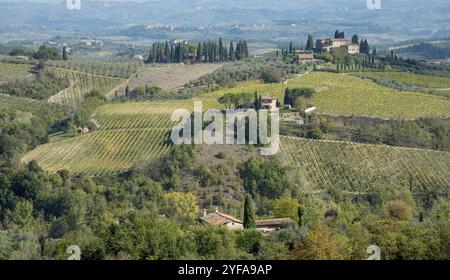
(286, 208)
(181, 206)
(65, 56)
(249, 216)
(310, 43)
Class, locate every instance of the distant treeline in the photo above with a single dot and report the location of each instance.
(427, 50)
(206, 52)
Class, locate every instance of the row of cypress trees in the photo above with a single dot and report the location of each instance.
(206, 52)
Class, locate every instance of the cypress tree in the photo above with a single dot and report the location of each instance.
(256, 101)
(232, 53)
(220, 50)
(249, 218)
(287, 100)
(300, 215)
(64, 53)
(199, 52)
(310, 43)
(355, 39)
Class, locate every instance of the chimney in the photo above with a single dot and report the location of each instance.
(205, 212)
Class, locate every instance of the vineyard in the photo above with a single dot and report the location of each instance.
(38, 108)
(114, 69)
(11, 72)
(128, 133)
(82, 83)
(347, 95)
(358, 167)
(427, 81)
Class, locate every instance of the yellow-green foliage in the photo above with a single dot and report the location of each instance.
(427, 81)
(358, 167)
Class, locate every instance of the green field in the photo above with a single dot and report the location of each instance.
(358, 167)
(128, 133)
(10, 72)
(427, 81)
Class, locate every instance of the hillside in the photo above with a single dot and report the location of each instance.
(359, 167)
(341, 94)
(128, 134)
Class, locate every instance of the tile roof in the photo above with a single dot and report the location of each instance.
(217, 218)
(274, 222)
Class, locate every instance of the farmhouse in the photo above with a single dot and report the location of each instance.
(303, 56)
(269, 103)
(218, 218)
(265, 226)
(83, 130)
(270, 225)
(292, 117)
(329, 44)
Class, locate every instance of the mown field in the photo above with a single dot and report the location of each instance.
(129, 133)
(427, 81)
(10, 72)
(171, 76)
(346, 95)
(358, 167)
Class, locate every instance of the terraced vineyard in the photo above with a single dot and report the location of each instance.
(427, 81)
(113, 69)
(357, 167)
(128, 134)
(10, 72)
(81, 84)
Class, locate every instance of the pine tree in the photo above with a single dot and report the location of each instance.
(249, 218)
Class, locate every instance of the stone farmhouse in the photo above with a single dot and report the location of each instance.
(329, 44)
(221, 219)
